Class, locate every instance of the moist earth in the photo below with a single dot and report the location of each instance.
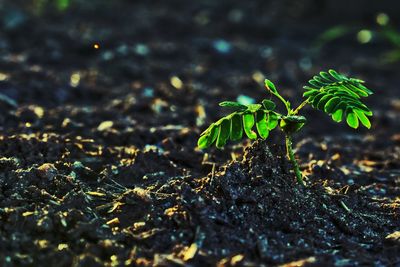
(98, 157)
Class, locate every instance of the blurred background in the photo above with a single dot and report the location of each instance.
(170, 62)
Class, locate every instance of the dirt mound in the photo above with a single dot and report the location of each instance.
(255, 207)
(148, 212)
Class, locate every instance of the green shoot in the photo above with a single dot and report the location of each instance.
(331, 92)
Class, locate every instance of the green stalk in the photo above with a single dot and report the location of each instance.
(299, 107)
(286, 103)
(290, 155)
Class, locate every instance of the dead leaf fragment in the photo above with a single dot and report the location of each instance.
(190, 252)
(28, 213)
(299, 263)
(113, 221)
(176, 82)
(236, 259)
(105, 125)
(395, 138)
(393, 238)
(335, 156)
(96, 194)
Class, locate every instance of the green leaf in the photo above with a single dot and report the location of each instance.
(364, 120)
(323, 101)
(213, 135)
(310, 92)
(352, 120)
(315, 83)
(261, 124)
(268, 104)
(337, 115)
(253, 107)
(315, 100)
(321, 80)
(341, 90)
(331, 104)
(357, 90)
(202, 142)
(223, 134)
(233, 105)
(208, 136)
(236, 127)
(272, 121)
(270, 86)
(336, 94)
(368, 91)
(248, 123)
(306, 87)
(335, 75)
(292, 124)
(326, 76)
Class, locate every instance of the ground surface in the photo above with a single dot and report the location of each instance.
(98, 158)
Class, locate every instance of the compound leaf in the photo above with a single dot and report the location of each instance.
(243, 119)
(335, 93)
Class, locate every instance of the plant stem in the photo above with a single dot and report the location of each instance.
(290, 155)
(286, 103)
(300, 107)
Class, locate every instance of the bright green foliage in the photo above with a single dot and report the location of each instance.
(339, 96)
(242, 120)
(292, 124)
(331, 92)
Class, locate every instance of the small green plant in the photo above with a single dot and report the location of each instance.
(330, 92)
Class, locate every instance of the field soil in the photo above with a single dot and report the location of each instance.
(101, 106)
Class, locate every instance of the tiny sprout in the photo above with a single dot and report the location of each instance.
(330, 92)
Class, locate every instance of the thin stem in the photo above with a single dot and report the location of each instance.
(283, 101)
(275, 93)
(305, 102)
(290, 155)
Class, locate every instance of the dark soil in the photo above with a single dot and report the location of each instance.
(98, 158)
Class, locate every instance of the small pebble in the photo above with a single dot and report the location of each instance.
(142, 50)
(148, 92)
(245, 100)
(222, 46)
(176, 82)
(105, 125)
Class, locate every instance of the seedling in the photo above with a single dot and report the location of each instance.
(330, 92)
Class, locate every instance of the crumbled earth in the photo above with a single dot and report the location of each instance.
(98, 157)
